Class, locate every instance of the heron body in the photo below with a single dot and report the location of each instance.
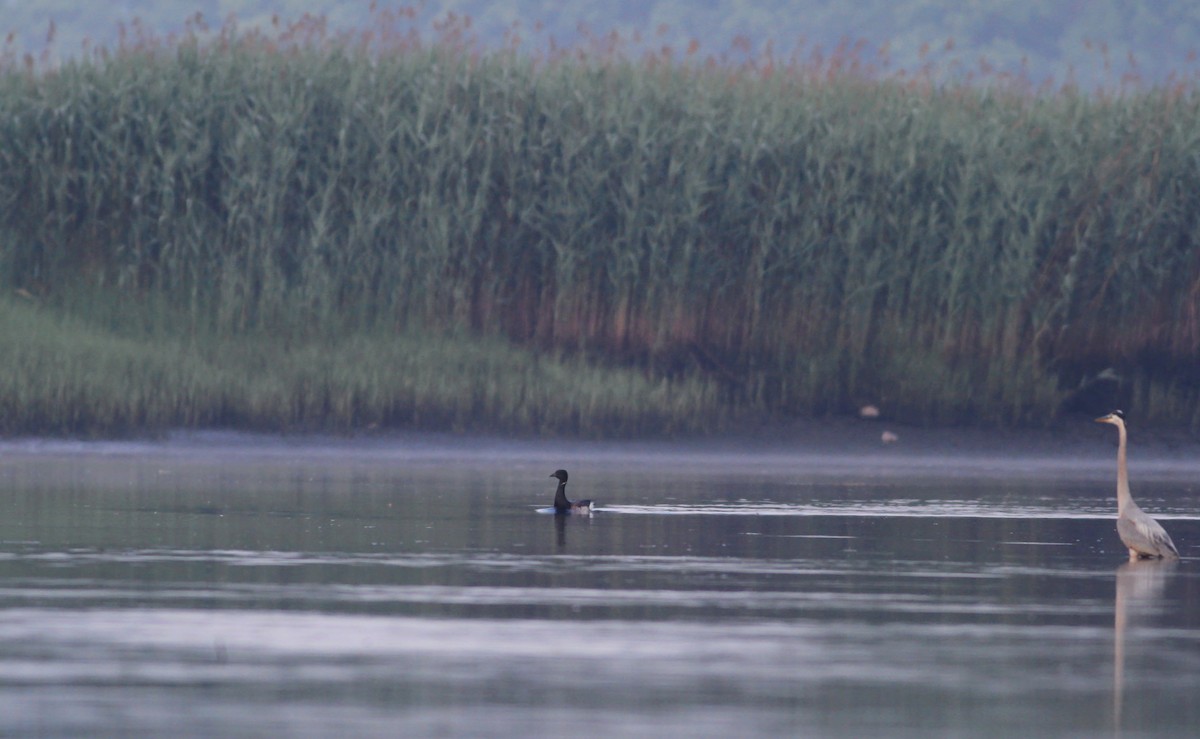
(564, 506)
(1144, 537)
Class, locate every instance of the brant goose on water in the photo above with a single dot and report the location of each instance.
(561, 504)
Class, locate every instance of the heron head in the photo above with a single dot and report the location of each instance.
(1116, 418)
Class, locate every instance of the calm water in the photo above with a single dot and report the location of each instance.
(218, 585)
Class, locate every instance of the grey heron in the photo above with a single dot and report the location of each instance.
(1142, 534)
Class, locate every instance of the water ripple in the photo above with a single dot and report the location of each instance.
(896, 508)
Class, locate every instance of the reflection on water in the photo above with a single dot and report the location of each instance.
(330, 591)
(1140, 586)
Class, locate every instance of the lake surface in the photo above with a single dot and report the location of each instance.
(226, 585)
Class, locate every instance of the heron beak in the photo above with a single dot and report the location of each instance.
(1104, 419)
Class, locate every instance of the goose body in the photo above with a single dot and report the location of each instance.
(1142, 535)
(564, 506)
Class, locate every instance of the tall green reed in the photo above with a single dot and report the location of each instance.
(807, 240)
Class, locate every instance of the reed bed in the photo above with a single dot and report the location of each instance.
(784, 237)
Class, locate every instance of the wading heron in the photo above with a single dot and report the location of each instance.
(1142, 534)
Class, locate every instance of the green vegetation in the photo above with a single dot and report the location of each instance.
(339, 227)
(63, 375)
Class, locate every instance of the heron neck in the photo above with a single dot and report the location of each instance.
(560, 496)
(1124, 499)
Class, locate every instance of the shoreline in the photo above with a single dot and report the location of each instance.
(836, 447)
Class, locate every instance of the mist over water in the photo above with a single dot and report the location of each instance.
(229, 585)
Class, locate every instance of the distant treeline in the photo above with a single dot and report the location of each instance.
(804, 240)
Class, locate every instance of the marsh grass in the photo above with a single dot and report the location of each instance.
(62, 374)
(777, 235)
